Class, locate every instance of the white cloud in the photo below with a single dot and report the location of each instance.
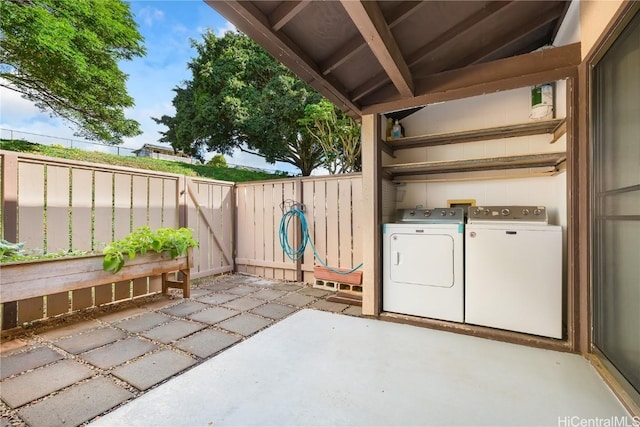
(149, 15)
(220, 31)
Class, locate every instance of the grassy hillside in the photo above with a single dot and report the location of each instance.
(224, 174)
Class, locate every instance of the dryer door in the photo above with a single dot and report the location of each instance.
(421, 258)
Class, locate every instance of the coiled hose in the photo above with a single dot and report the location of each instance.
(296, 253)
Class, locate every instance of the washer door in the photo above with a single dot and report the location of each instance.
(422, 259)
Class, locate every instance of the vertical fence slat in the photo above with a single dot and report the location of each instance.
(204, 235)
(103, 212)
(308, 196)
(122, 205)
(170, 211)
(31, 205)
(332, 224)
(218, 221)
(57, 208)
(258, 236)
(356, 206)
(344, 223)
(320, 223)
(155, 202)
(290, 194)
(269, 231)
(81, 194)
(139, 201)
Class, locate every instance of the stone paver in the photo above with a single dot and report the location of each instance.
(245, 324)
(296, 299)
(314, 292)
(241, 290)
(122, 314)
(213, 315)
(273, 311)
(119, 352)
(66, 330)
(221, 286)
(287, 287)
(197, 293)
(152, 369)
(268, 294)
(24, 388)
(76, 405)
(173, 330)
(20, 362)
(77, 344)
(243, 304)
(353, 310)
(218, 298)
(205, 343)
(324, 305)
(184, 308)
(143, 322)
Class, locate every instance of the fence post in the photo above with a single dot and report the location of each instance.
(10, 223)
(298, 238)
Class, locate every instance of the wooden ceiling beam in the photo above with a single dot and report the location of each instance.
(248, 19)
(369, 20)
(435, 45)
(286, 12)
(500, 75)
(532, 24)
(357, 43)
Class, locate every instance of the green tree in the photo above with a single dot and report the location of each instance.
(240, 97)
(217, 161)
(63, 56)
(337, 134)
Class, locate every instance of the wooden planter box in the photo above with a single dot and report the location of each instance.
(29, 279)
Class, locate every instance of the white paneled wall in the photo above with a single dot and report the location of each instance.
(496, 109)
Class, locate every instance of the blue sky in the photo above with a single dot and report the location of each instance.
(167, 26)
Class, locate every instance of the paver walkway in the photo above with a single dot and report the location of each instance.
(70, 374)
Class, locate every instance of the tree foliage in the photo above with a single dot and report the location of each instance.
(217, 161)
(63, 56)
(240, 97)
(337, 134)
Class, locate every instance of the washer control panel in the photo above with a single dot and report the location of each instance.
(522, 214)
(430, 216)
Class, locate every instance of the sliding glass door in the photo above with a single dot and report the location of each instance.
(616, 204)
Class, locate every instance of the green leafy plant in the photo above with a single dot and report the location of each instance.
(142, 240)
(14, 252)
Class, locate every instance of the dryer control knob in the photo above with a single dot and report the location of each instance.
(443, 213)
(525, 212)
(537, 211)
(505, 212)
(427, 213)
(476, 211)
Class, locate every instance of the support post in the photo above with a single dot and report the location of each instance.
(10, 223)
(371, 208)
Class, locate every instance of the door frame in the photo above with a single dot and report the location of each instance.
(584, 186)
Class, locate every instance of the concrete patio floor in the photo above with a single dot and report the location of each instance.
(67, 373)
(318, 368)
(247, 351)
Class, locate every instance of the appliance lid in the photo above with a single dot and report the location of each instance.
(508, 214)
(430, 216)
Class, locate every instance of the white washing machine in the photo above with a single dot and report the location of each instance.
(513, 270)
(423, 264)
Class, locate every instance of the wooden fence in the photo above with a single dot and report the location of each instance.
(332, 208)
(56, 204)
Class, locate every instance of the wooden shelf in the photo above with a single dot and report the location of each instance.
(556, 127)
(553, 159)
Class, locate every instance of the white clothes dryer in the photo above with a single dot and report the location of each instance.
(423, 264)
